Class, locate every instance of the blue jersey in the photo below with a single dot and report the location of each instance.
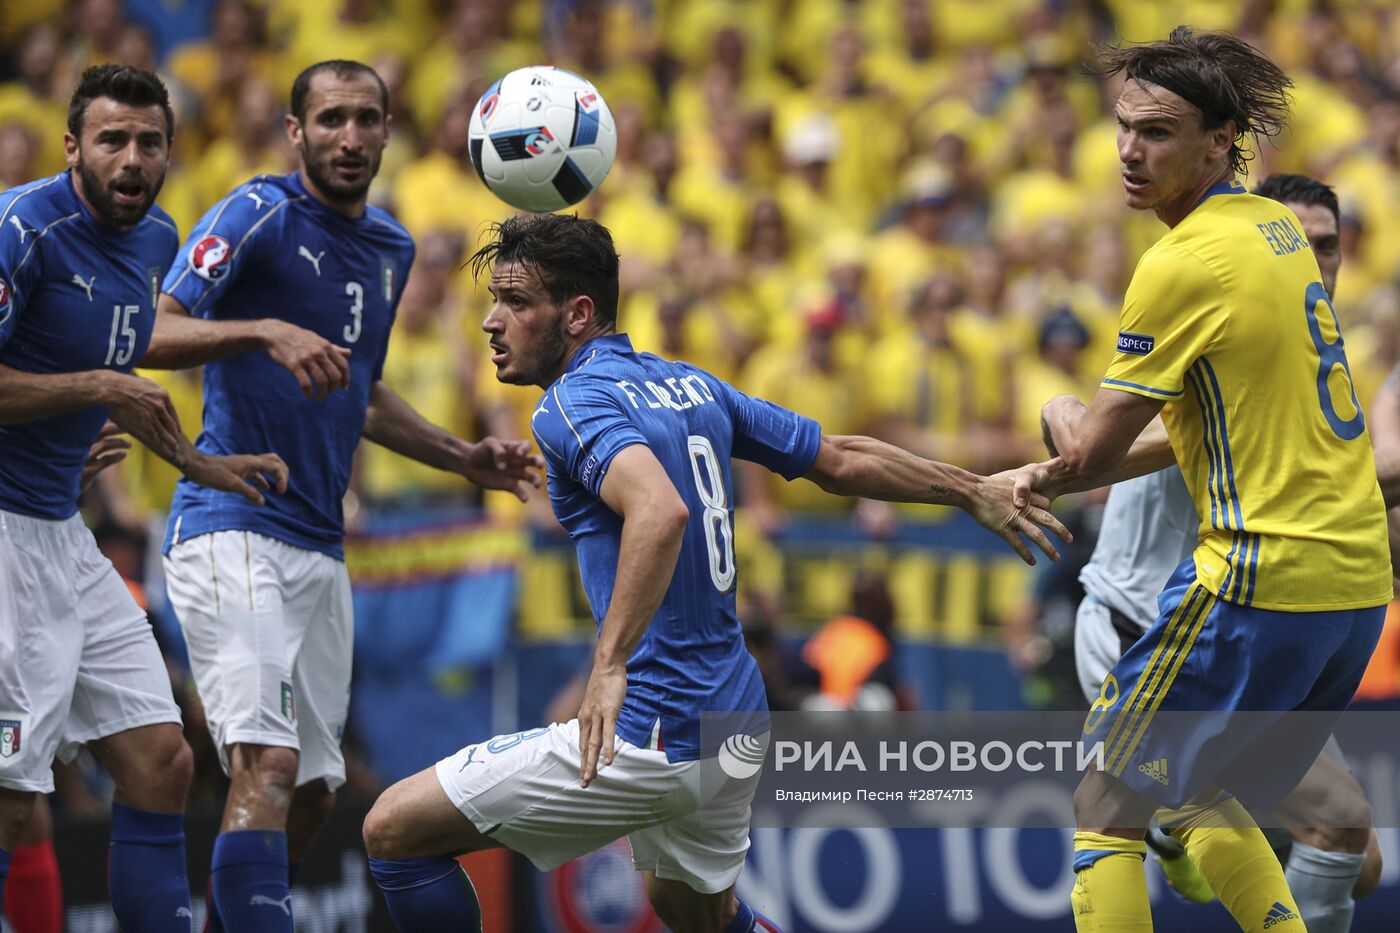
(75, 295)
(270, 249)
(692, 657)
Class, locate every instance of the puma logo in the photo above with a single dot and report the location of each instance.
(260, 900)
(85, 286)
(23, 230)
(258, 201)
(315, 261)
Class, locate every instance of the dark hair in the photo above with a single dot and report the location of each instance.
(344, 70)
(1223, 77)
(571, 255)
(123, 84)
(1300, 189)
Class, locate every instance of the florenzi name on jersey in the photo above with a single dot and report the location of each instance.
(675, 393)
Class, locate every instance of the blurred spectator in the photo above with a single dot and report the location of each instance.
(18, 153)
(430, 366)
(37, 98)
(854, 657)
(808, 374)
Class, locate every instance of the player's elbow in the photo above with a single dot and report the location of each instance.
(671, 517)
(835, 466)
(1086, 459)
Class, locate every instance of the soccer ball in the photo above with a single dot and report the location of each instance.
(542, 138)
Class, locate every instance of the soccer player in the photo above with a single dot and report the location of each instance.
(286, 289)
(638, 454)
(1149, 527)
(1228, 332)
(81, 255)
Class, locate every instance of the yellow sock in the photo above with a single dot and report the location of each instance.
(1110, 893)
(1242, 869)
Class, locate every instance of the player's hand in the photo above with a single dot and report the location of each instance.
(108, 450)
(597, 719)
(992, 503)
(1032, 483)
(143, 409)
(320, 367)
(249, 475)
(508, 465)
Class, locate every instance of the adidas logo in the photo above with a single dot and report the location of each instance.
(1278, 914)
(1157, 770)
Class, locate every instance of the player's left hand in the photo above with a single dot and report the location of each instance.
(597, 719)
(108, 450)
(249, 475)
(496, 464)
(995, 504)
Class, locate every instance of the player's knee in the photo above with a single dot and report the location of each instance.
(1370, 877)
(16, 810)
(267, 771)
(386, 830)
(161, 778)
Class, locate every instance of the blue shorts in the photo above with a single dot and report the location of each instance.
(1201, 699)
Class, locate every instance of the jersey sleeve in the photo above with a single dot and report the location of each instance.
(20, 269)
(1172, 315)
(580, 427)
(770, 435)
(217, 248)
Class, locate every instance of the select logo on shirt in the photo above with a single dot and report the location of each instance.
(1136, 344)
(209, 258)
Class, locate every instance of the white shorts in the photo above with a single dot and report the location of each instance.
(270, 631)
(78, 659)
(687, 821)
(1097, 645)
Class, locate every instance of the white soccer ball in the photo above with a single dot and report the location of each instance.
(542, 138)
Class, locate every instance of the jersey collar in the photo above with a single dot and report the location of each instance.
(1224, 187)
(584, 354)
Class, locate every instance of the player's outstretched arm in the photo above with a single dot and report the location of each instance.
(654, 517)
(490, 463)
(182, 341)
(863, 466)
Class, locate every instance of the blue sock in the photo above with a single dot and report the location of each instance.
(250, 881)
(212, 923)
(423, 892)
(4, 871)
(146, 871)
(748, 920)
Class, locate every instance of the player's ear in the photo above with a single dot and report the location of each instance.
(292, 126)
(579, 314)
(1222, 138)
(70, 149)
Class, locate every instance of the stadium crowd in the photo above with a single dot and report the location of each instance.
(901, 216)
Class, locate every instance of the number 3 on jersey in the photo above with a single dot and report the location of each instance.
(1331, 355)
(356, 291)
(719, 533)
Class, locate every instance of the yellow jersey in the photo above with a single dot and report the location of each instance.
(1227, 320)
